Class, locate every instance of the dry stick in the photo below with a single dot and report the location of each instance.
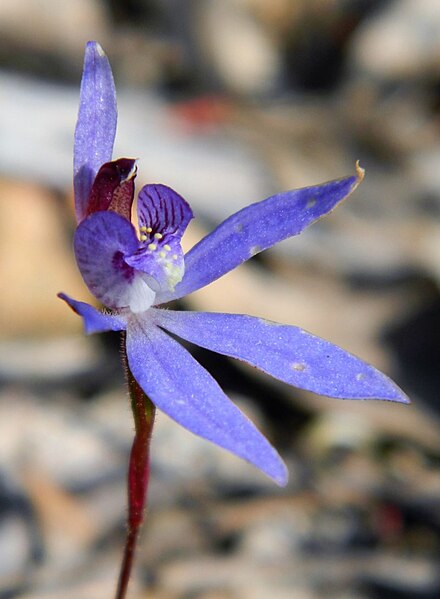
(138, 473)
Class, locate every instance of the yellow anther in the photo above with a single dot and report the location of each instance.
(143, 238)
(143, 229)
(158, 236)
(149, 230)
(162, 254)
(152, 246)
(166, 247)
(175, 256)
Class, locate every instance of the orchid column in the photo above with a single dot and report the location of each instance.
(133, 271)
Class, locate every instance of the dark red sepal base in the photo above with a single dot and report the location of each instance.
(113, 188)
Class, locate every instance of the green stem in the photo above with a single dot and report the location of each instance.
(138, 473)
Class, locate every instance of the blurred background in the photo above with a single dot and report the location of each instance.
(228, 101)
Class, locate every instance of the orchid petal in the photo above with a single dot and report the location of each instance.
(163, 263)
(285, 352)
(163, 218)
(256, 228)
(181, 388)
(94, 320)
(101, 243)
(163, 211)
(96, 126)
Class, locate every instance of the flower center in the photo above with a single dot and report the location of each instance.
(163, 261)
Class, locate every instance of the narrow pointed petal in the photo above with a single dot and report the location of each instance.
(285, 352)
(256, 228)
(94, 321)
(96, 126)
(181, 388)
(101, 243)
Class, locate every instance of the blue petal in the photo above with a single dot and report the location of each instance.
(163, 211)
(94, 321)
(96, 126)
(163, 218)
(101, 243)
(163, 262)
(256, 228)
(181, 388)
(285, 352)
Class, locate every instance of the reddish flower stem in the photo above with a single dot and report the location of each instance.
(138, 474)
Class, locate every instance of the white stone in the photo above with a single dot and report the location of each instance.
(401, 41)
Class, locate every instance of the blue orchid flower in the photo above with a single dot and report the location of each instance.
(134, 272)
